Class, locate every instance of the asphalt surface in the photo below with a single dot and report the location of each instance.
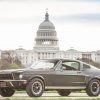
(50, 96)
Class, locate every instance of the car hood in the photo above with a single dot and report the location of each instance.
(22, 70)
(11, 70)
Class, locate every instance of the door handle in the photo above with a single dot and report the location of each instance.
(79, 72)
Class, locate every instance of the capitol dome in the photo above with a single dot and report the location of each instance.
(46, 24)
(46, 38)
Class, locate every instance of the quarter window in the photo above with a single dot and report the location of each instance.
(86, 66)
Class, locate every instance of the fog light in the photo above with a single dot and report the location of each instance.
(20, 76)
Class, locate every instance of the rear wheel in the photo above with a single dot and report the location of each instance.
(7, 92)
(93, 88)
(35, 88)
(64, 92)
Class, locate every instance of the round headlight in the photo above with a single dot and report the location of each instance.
(20, 76)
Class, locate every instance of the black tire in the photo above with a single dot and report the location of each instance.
(7, 92)
(93, 88)
(64, 92)
(35, 87)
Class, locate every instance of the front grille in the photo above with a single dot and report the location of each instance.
(16, 76)
(3, 84)
(6, 76)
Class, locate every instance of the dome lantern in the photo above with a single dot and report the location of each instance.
(46, 16)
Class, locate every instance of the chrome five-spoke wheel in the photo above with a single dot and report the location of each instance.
(93, 88)
(35, 88)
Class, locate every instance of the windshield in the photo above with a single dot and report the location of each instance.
(43, 65)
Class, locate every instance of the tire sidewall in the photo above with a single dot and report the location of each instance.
(29, 87)
(64, 92)
(7, 92)
(89, 89)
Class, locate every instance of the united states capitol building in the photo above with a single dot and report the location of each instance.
(47, 47)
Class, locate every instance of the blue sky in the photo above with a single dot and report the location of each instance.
(91, 17)
(77, 23)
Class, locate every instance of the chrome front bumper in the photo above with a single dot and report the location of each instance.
(12, 83)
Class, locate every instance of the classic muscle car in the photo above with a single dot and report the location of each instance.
(61, 75)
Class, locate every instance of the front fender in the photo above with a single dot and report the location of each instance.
(36, 76)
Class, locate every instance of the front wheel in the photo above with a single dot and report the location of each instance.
(35, 87)
(64, 92)
(93, 88)
(7, 92)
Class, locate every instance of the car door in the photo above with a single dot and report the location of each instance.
(69, 74)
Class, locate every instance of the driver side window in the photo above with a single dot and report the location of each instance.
(70, 65)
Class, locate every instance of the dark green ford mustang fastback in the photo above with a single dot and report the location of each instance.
(61, 75)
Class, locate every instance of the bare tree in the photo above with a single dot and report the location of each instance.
(8, 61)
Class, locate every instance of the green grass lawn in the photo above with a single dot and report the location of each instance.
(52, 99)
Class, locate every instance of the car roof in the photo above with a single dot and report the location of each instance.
(57, 59)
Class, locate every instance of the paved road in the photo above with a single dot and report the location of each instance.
(52, 95)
